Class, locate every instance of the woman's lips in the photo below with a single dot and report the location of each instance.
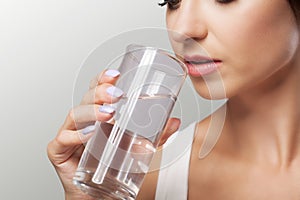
(201, 66)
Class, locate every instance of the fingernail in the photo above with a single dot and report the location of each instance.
(114, 91)
(112, 73)
(106, 109)
(88, 129)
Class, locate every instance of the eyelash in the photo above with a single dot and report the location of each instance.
(174, 4)
(223, 1)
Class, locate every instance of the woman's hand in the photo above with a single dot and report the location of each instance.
(65, 150)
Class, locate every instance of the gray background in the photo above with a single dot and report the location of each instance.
(42, 46)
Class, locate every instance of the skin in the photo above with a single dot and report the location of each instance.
(258, 153)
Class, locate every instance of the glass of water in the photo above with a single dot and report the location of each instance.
(118, 156)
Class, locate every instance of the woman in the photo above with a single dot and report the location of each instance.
(255, 48)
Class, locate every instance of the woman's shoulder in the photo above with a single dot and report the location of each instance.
(166, 158)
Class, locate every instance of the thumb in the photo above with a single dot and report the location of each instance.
(172, 126)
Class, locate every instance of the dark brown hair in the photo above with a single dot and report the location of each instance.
(295, 4)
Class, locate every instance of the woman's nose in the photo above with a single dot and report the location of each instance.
(187, 22)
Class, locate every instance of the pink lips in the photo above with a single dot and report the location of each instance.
(201, 66)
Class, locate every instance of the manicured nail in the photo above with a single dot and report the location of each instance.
(106, 109)
(88, 129)
(112, 73)
(114, 91)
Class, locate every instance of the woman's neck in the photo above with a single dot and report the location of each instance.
(264, 122)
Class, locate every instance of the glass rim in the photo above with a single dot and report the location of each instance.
(136, 47)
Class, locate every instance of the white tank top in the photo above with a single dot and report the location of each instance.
(173, 176)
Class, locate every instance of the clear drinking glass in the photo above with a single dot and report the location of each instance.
(118, 156)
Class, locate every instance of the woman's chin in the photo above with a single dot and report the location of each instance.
(211, 93)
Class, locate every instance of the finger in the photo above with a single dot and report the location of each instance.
(107, 76)
(172, 126)
(67, 142)
(104, 93)
(84, 115)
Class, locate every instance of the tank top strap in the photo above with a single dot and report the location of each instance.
(173, 176)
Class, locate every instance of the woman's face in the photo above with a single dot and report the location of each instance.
(233, 45)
